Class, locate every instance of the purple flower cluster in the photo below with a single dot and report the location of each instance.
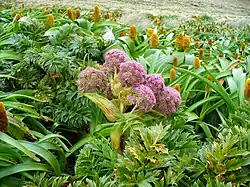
(131, 74)
(143, 97)
(148, 91)
(113, 60)
(168, 101)
(155, 82)
(92, 80)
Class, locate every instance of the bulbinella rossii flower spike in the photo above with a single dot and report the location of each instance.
(154, 40)
(175, 61)
(149, 32)
(247, 89)
(172, 74)
(107, 15)
(243, 47)
(96, 14)
(70, 14)
(3, 118)
(133, 32)
(197, 63)
(207, 87)
(49, 21)
(200, 53)
(177, 87)
(77, 13)
(186, 42)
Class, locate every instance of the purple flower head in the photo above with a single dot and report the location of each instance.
(155, 82)
(113, 60)
(131, 74)
(168, 101)
(143, 97)
(91, 80)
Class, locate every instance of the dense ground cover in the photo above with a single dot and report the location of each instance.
(80, 104)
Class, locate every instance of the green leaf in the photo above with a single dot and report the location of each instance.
(23, 167)
(48, 156)
(108, 108)
(4, 137)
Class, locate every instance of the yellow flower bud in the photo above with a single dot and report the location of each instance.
(200, 53)
(177, 87)
(186, 42)
(247, 89)
(49, 21)
(3, 118)
(233, 36)
(175, 61)
(133, 32)
(210, 42)
(154, 40)
(197, 63)
(107, 15)
(70, 14)
(77, 13)
(149, 32)
(207, 87)
(96, 14)
(243, 47)
(172, 74)
(179, 41)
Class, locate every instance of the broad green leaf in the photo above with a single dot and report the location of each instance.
(108, 108)
(23, 167)
(7, 139)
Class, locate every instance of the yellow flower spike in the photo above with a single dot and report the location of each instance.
(149, 32)
(186, 42)
(175, 61)
(123, 33)
(177, 87)
(233, 36)
(77, 13)
(107, 15)
(243, 47)
(197, 63)
(197, 43)
(132, 32)
(200, 53)
(17, 17)
(210, 42)
(247, 89)
(179, 41)
(162, 30)
(3, 118)
(172, 74)
(70, 14)
(96, 14)
(154, 40)
(207, 87)
(49, 21)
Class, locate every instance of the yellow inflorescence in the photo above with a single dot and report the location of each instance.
(77, 13)
(132, 32)
(172, 74)
(154, 40)
(243, 47)
(197, 63)
(177, 87)
(207, 87)
(175, 61)
(3, 118)
(49, 21)
(107, 15)
(186, 42)
(70, 14)
(200, 53)
(182, 42)
(149, 32)
(96, 14)
(247, 89)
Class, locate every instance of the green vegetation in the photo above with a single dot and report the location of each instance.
(68, 119)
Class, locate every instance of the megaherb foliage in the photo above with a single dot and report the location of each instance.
(58, 137)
